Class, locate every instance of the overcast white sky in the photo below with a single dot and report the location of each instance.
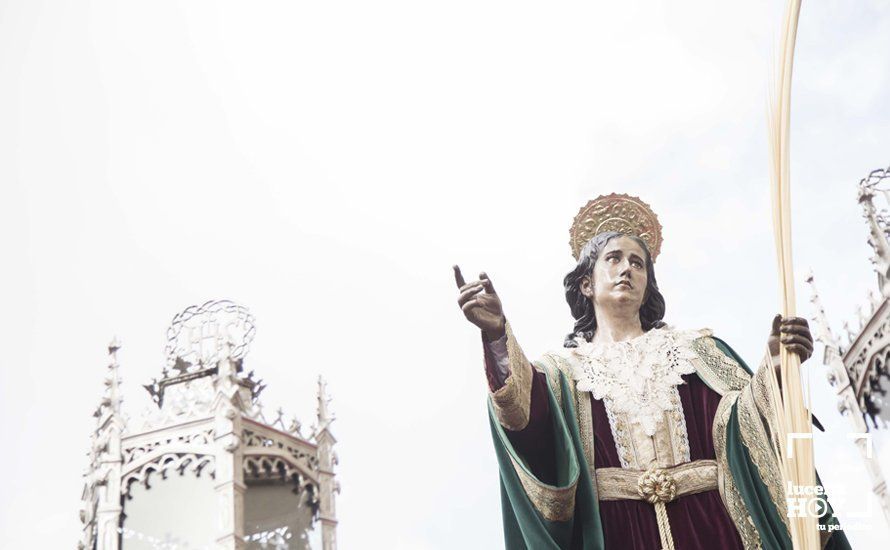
(324, 164)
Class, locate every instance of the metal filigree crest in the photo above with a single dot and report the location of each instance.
(202, 335)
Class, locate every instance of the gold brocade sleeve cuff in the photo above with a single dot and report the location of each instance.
(760, 390)
(512, 401)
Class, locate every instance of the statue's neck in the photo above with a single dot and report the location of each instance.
(616, 326)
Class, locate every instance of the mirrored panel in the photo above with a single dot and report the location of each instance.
(277, 517)
(178, 512)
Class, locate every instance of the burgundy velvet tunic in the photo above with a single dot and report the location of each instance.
(698, 521)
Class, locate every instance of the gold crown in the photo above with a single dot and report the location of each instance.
(616, 212)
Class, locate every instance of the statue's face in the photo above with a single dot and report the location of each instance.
(619, 276)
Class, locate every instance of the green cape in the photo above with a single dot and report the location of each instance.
(571, 503)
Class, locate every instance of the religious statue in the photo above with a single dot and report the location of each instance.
(634, 434)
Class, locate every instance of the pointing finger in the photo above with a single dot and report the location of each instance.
(458, 277)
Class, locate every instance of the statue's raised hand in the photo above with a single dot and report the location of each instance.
(483, 309)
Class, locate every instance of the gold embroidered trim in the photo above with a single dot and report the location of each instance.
(585, 425)
(690, 478)
(512, 401)
(582, 405)
(678, 434)
(550, 367)
(555, 361)
(756, 440)
(624, 443)
(719, 371)
(763, 401)
(732, 499)
(553, 503)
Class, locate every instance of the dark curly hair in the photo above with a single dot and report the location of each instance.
(651, 312)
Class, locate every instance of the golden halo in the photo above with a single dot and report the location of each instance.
(616, 212)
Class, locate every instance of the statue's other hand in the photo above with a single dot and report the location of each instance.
(794, 334)
(483, 309)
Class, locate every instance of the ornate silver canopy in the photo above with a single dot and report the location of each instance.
(859, 361)
(204, 467)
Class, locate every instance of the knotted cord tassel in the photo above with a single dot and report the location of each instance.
(657, 487)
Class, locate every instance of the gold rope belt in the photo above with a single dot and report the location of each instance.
(657, 486)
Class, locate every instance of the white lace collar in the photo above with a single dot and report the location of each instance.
(636, 377)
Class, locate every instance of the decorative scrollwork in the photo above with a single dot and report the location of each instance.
(264, 468)
(182, 402)
(261, 468)
(166, 463)
(300, 456)
(144, 448)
